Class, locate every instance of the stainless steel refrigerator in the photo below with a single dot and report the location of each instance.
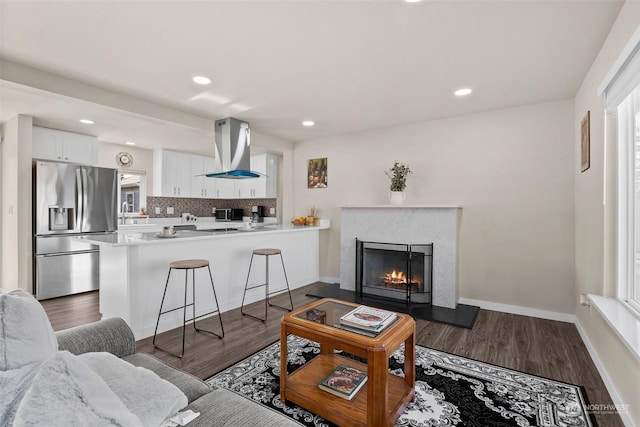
(70, 201)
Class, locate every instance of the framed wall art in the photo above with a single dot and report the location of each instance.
(585, 159)
(317, 173)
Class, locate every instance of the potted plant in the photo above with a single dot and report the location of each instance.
(398, 175)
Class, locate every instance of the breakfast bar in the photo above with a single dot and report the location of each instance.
(134, 266)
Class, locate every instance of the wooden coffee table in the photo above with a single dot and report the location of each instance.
(384, 396)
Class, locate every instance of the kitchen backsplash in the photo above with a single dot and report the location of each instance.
(203, 207)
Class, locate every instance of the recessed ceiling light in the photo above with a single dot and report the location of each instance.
(86, 121)
(130, 143)
(463, 91)
(412, 1)
(202, 80)
(308, 123)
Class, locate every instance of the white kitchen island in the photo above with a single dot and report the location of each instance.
(134, 267)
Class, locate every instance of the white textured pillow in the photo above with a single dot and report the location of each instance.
(144, 393)
(26, 336)
(65, 392)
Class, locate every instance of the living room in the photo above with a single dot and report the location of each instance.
(534, 234)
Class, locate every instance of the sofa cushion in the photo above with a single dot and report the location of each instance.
(191, 386)
(224, 408)
(26, 336)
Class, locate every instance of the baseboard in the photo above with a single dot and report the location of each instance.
(516, 309)
(615, 397)
(329, 279)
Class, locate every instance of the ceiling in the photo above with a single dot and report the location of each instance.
(348, 65)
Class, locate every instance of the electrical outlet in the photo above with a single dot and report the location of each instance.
(213, 210)
(272, 211)
(170, 210)
(157, 210)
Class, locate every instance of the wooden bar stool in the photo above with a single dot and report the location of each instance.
(186, 265)
(266, 253)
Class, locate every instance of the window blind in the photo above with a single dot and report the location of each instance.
(624, 76)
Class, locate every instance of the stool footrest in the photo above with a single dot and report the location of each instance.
(256, 286)
(174, 309)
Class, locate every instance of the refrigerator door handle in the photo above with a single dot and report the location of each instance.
(85, 199)
(87, 251)
(79, 199)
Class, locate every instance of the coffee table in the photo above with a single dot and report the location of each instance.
(383, 397)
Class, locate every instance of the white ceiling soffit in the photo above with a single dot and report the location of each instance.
(348, 65)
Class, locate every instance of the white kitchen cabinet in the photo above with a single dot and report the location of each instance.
(225, 188)
(178, 174)
(244, 188)
(265, 186)
(201, 186)
(209, 184)
(171, 173)
(62, 146)
(262, 187)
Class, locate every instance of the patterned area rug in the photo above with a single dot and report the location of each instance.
(450, 390)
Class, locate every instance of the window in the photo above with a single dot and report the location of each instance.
(629, 199)
(132, 192)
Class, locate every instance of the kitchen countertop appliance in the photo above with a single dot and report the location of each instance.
(257, 213)
(229, 214)
(69, 201)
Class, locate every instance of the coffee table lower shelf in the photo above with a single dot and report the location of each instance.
(302, 389)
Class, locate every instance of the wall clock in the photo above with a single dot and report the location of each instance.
(124, 159)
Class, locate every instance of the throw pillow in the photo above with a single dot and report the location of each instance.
(26, 336)
(144, 393)
(66, 392)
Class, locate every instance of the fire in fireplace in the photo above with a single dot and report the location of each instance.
(395, 271)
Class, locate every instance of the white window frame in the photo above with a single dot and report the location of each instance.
(627, 264)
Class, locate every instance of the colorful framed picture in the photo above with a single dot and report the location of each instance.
(317, 173)
(585, 160)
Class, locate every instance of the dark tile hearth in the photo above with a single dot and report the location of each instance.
(463, 315)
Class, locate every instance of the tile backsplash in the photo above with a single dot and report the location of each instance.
(202, 207)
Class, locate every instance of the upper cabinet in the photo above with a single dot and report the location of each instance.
(266, 186)
(201, 186)
(177, 174)
(263, 187)
(171, 173)
(225, 188)
(62, 146)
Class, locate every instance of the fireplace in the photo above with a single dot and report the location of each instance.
(394, 271)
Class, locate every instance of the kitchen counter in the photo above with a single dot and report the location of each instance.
(142, 237)
(134, 267)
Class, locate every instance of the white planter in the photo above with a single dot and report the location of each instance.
(396, 197)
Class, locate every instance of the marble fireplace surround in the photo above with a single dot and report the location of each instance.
(406, 224)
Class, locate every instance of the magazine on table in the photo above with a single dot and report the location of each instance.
(368, 318)
(344, 381)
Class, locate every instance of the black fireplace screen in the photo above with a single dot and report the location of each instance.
(394, 271)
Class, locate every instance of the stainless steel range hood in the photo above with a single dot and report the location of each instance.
(232, 150)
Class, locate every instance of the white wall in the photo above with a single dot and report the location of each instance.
(512, 172)
(142, 160)
(593, 231)
(16, 204)
(2, 129)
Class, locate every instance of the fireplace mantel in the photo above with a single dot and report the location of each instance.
(403, 207)
(406, 224)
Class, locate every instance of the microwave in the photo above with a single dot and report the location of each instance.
(229, 214)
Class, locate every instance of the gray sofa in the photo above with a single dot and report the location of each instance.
(217, 407)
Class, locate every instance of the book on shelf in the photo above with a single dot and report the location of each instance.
(344, 381)
(368, 318)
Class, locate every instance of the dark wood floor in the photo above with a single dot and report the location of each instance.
(540, 347)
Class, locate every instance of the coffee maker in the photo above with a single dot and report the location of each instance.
(257, 213)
